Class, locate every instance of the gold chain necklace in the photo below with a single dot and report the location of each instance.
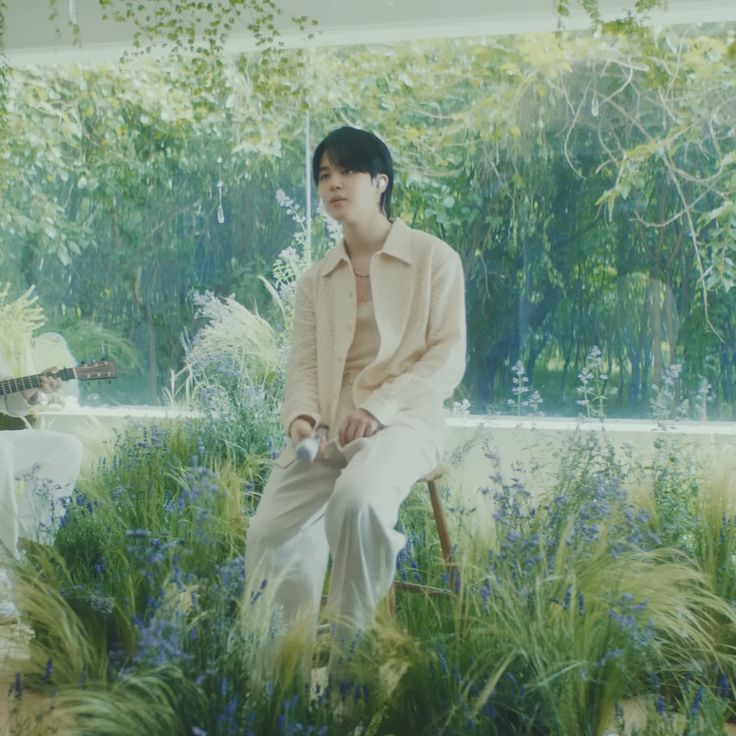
(361, 275)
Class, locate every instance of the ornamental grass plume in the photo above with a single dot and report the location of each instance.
(233, 339)
(20, 318)
(148, 703)
(273, 651)
(233, 375)
(142, 586)
(238, 352)
(61, 635)
(558, 652)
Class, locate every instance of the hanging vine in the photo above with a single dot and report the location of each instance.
(3, 75)
(195, 32)
(194, 26)
(633, 18)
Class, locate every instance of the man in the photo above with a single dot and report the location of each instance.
(47, 462)
(378, 345)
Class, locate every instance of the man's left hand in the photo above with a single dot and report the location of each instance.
(357, 424)
(47, 384)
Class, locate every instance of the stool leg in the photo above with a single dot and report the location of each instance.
(392, 601)
(444, 535)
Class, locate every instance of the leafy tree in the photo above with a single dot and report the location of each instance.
(587, 183)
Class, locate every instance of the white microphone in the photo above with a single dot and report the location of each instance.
(308, 448)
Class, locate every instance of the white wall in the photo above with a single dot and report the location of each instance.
(528, 448)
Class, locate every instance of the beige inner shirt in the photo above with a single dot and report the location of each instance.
(363, 351)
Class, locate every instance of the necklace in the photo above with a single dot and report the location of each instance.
(361, 275)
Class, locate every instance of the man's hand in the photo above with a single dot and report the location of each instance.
(48, 384)
(359, 423)
(300, 429)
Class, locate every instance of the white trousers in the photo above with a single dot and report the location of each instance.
(49, 464)
(345, 504)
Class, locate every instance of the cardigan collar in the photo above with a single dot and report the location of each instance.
(397, 245)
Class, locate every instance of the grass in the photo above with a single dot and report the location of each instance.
(582, 595)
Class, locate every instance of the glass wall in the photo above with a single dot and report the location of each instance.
(587, 182)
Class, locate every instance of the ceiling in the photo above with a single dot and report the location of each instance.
(31, 37)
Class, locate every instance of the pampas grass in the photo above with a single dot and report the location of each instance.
(20, 318)
(572, 608)
(234, 331)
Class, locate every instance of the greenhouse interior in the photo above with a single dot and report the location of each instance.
(167, 231)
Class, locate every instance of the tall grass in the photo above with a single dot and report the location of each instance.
(580, 596)
(569, 607)
(576, 607)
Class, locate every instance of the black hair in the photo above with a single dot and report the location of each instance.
(358, 150)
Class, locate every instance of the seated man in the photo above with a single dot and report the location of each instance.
(48, 462)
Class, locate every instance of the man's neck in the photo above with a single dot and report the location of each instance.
(366, 238)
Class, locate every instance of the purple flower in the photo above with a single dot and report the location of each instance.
(697, 701)
(257, 594)
(48, 670)
(485, 593)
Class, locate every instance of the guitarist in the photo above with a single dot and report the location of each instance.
(47, 461)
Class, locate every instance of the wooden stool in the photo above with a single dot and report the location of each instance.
(453, 573)
(439, 519)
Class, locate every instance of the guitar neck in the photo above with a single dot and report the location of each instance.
(12, 385)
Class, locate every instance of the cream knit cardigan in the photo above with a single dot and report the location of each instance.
(419, 301)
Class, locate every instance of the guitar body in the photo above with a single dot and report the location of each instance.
(8, 422)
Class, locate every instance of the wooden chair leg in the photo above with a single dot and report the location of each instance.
(446, 546)
(444, 535)
(392, 601)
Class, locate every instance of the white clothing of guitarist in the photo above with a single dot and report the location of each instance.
(48, 463)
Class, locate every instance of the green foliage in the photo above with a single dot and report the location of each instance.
(572, 603)
(3, 83)
(137, 277)
(714, 539)
(88, 340)
(131, 187)
(143, 581)
(694, 516)
(635, 18)
(196, 31)
(234, 374)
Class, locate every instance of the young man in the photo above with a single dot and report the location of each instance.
(378, 345)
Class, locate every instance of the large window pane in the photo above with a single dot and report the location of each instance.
(587, 182)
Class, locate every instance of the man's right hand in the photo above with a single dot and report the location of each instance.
(300, 429)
